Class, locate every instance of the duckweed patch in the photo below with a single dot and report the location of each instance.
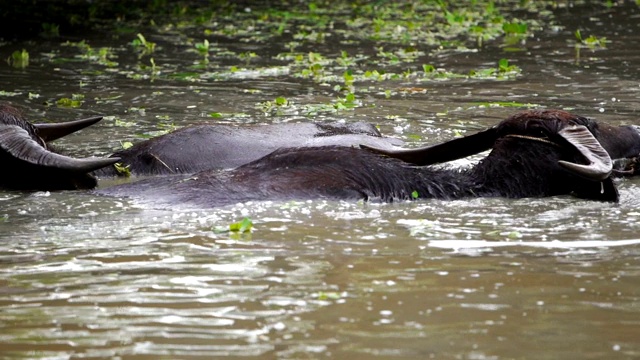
(74, 102)
(402, 47)
(402, 35)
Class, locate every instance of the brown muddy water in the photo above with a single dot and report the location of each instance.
(94, 277)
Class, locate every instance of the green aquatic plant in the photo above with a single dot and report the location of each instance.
(19, 59)
(75, 101)
(50, 30)
(243, 226)
(146, 47)
(592, 42)
(270, 107)
(504, 70)
(504, 67)
(122, 170)
(203, 49)
(281, 106)
(515, 34)
(101, 56)
(515, 28)
(328, 295)
(247, 56)
(9, 93)
(348, 102)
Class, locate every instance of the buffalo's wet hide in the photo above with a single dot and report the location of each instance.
(209, 147)
(533, 159)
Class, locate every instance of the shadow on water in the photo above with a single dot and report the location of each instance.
(97, 277)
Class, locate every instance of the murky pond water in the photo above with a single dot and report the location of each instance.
(83, 276)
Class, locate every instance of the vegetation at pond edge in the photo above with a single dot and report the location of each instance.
(309, 41)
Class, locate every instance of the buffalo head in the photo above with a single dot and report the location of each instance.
(620, 142)
(30, 164)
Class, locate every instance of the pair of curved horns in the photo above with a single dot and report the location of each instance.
(50, 132)
(17, 142)
(599, 167)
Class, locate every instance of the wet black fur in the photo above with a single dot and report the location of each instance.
(515, 168)
(207, 147)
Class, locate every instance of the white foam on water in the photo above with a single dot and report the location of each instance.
(555, 244)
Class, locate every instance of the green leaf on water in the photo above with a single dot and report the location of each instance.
(242, 226)
(330, 295)
(71, 103)
(428, 68)
(514, 235)
(20, 59)
(122, 170)
(281, 101)
(515, 28)
(415, 195)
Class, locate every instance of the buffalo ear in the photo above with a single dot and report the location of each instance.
(600, 164)
(17, 142)
(50, 132)
(446, 151)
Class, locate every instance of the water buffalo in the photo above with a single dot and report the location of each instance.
(28, 161)
(208, 147)
(530, 157)
(25, 150)
(621, 142)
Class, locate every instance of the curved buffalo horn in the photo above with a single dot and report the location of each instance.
(600, 164)
(17, 142)
(447, 151)
(50, 132)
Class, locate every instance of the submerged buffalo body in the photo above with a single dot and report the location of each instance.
(209, 147)
(534, 153)
(32, 164)
(529, 158)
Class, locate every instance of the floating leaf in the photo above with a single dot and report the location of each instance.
(20, 59)
(242, 226)
(122, 170)
(281, 101)
(71, 103)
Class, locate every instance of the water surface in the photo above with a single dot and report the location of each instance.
(83, 276)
